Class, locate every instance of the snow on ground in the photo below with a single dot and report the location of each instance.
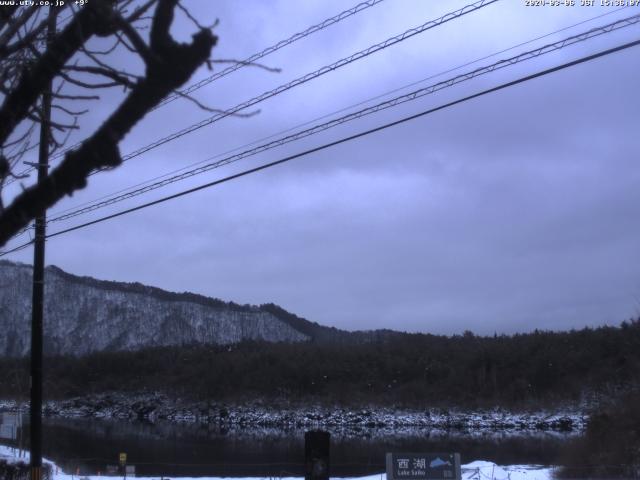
(477, 470)
(156, 406)
(11, 455)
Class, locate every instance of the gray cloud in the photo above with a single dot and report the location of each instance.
(508, 213)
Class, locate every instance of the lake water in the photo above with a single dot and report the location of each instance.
(90, 445)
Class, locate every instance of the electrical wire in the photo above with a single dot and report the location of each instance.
(552, 47)
(249, 60)
(344, 109)
(269, 50)
(325, 146)
(305, 78)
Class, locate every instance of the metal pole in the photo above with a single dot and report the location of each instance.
(37, 305)
(316, 455)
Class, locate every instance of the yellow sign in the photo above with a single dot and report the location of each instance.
(123, 458)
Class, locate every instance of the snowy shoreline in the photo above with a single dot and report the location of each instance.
(476, 470)
(152, 407)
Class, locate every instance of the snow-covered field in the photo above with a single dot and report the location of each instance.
(477, 470)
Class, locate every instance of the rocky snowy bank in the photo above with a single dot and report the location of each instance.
(152, 407)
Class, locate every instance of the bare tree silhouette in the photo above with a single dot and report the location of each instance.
(29, 60)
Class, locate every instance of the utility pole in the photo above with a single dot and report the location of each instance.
(37, 303)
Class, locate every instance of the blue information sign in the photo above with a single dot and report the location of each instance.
(423, 466)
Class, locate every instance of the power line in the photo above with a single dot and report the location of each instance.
(340, 141)
(411, 96)
(247, 61)
(307, 77)
(359, 114)
(269, 50)
(344, 109)
(16, 249)
(381, 106)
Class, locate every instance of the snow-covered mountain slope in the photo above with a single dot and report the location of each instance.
(83, 315)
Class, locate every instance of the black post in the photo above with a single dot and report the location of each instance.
(37, 305)
(316, 455)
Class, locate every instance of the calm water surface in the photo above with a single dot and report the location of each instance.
(90, 445)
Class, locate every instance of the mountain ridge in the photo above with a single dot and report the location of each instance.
(89, 304)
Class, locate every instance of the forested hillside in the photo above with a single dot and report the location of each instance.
(413, 370)
(84, 315)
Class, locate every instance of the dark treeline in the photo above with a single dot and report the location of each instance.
(535, 369)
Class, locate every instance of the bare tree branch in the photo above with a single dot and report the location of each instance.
(76, 97)
(215, 110)
(83, 84)
(169, 64)
(6, 50)
(86, 23)
(140, 11)
(73, 113)
(6, 13)
(195, 21)
(15, 24)
(248, 64)
(137, 43)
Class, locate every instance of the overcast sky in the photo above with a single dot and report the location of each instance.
(514, 211)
